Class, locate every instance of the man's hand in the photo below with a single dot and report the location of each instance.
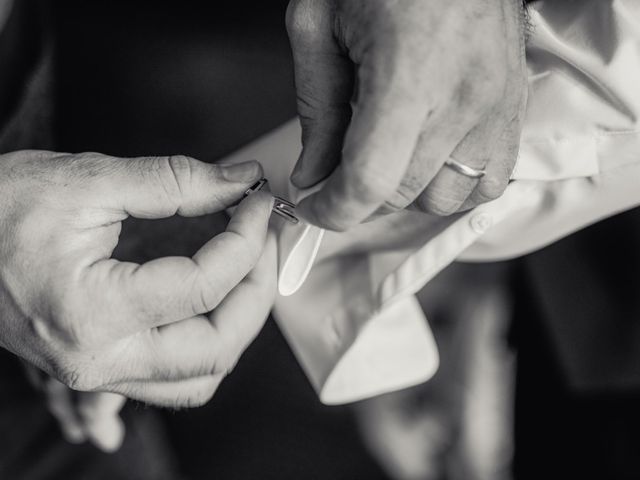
(389, 90)
(82, 416)
(165, 332)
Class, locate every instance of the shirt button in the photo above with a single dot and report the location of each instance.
(481, 222)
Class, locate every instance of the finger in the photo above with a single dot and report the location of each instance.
(500, 167)
(233, 325)
(158, 187)
(193, 392)
(449, 188)
(377, 150)
(324, 86)
(138, 297)
(440, 135)
(60, 403)
(240, 317)
(100, 414)
(214, 343)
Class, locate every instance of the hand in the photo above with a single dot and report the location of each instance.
(165, 332)
(95, 416)
(82, 416)
(388, 91)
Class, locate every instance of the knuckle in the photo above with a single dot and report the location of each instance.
(406, 193)
(71, 378)
(476, 94)
(79, 378)
(181, 169)
(174, 174)
(205, 298)
(204, 295)
(85, 166)
(196, 292)
(493, 187)
(395, 203)
(486, 195)
(442, 209)
(438, 203)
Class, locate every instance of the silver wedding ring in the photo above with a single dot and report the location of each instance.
(463, 169)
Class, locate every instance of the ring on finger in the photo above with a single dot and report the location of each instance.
(463, 169)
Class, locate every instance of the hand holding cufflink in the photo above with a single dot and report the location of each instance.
(101, 325)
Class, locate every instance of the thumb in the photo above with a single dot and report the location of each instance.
(158, 187)
(324, 86)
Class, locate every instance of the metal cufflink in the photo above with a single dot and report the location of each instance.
(281, 207)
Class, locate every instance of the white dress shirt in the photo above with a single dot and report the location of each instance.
(352, 319)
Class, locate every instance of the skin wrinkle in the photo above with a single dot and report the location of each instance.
(491, 186)
(153, 364)
(485, 180)
(381, 40)
(90, 327)
(380, 170)
(170, 173)
(112, 367)
(68, 171)
(201, 284)
(133, 275)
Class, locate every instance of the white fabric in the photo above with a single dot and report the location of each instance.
(354, 325)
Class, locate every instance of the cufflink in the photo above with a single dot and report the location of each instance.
(283, 208)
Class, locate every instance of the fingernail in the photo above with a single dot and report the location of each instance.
(242, 172)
